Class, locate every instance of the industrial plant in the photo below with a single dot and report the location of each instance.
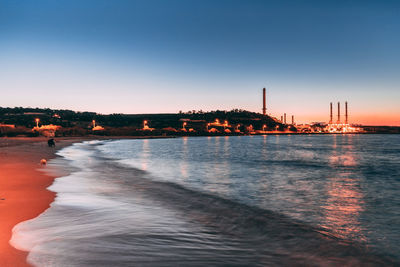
(339, 126)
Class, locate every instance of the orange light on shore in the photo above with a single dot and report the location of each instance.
(94, 123)
(37, 122)
(145, 126)
(237, 128)
(226, 124)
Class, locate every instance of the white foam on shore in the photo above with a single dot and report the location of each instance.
(73, 158)
(89, 205)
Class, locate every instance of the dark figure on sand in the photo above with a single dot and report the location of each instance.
(51, 142)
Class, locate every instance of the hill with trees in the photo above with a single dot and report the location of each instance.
(81, 123)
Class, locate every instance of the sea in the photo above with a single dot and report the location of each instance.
(273, 200)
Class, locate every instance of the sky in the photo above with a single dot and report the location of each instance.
(163, 56)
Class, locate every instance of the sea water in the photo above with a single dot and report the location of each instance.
(316, 200)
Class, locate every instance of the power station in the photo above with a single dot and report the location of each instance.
(264, 109)
(334, 126)
(340, 127)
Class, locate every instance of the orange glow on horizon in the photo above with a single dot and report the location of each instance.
(363, 119)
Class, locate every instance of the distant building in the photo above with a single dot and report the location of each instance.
(47, 130)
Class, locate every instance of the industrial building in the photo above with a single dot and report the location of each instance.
(340, 126)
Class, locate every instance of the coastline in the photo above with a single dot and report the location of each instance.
(23, 186)
(23, 193)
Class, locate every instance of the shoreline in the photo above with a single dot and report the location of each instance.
(20, 157)
(23, 186)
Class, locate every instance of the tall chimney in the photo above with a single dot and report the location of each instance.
(338, 112)
(281, 119)
(331, 115)
(346, 114)
(264, 110)
(284, 118)
(292, 120)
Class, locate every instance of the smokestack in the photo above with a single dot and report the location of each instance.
(331, 115)
(284, 118)
(346, 114)
(338, 112)
(264, 110)
(292, 120)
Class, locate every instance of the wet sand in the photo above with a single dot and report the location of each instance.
(23, 193)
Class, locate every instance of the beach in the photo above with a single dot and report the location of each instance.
(23, 186)
(23, 193)
(155, 202)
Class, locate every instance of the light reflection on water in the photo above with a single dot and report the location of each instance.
(222, 201)
(316, 179)
(343, 208)
(345, 201)
(145, 154)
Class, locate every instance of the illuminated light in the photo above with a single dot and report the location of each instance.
(98, 128)
(49, 127)
(47, 130)
(183, 126)
(94, 123)
(225, 124)
(37, 122)
(7, 125)
(237, 128)
(145, 126)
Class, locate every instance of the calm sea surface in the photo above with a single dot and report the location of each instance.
(316, 200)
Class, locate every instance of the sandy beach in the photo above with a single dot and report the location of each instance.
(23, 193)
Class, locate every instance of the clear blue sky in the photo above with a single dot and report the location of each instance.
(164, 56)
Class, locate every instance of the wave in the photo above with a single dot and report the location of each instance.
(257, 228)
(106, 213)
